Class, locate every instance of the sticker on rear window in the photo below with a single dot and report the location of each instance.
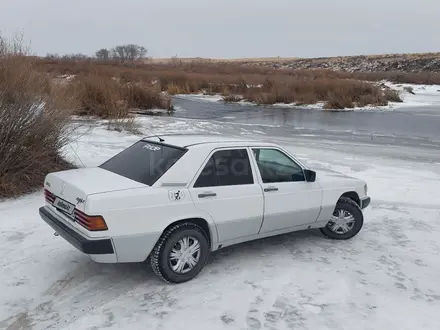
(151, 147)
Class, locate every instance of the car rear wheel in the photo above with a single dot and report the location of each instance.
(181, 253)
(346, 221)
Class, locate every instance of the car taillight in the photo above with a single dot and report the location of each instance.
(50, 198)
(92, 223)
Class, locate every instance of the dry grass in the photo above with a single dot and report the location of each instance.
(338, 89)
(129, 124)
(146, 97)
(108, 97)
(392, 95)
(99, 96)
(337, 94)
(34, 117)
(230, 98)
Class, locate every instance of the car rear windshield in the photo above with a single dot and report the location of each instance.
(144, 162)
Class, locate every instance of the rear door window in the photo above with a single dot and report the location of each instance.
(144, 162)
(226, 168)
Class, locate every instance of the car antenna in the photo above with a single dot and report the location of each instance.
(160, 139)
(77, 155)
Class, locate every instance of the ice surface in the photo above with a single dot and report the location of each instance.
(385, 278)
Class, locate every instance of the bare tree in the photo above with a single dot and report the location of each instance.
(75, 57)
(118, 53)
(129, 53)
(14, 46)
(3, 46)
(52, 56)
(103, 54)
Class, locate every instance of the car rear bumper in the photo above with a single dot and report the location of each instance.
(93, 247)
(365, 202)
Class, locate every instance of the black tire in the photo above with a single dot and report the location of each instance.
(353, 208)
(159, 257)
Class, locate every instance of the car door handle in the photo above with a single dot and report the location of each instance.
(268, 189)
(207, 195)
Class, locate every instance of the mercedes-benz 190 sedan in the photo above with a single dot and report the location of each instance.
(172, 200)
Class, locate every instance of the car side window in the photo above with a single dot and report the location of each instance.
(226, 168)
(275, 166)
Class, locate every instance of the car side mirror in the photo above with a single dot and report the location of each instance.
(310, 175)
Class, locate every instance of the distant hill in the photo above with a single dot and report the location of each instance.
(419, 62)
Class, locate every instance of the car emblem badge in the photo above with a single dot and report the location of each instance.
(63, 186)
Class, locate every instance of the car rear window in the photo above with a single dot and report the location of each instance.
(144, 162)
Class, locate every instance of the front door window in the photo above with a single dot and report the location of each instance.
(276, 167)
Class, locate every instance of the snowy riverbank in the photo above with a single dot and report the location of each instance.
(424, 95)
(385, 278)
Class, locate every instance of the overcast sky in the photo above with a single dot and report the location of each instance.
(227, 28)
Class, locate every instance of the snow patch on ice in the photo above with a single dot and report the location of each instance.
(424, 95)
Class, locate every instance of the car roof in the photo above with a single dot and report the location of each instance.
(191, 140)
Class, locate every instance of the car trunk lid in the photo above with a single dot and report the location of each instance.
(73, 186)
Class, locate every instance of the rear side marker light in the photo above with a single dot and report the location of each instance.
(91, 223)
(50, 198)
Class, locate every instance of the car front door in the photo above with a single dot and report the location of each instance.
(227, 189)
(289, 200)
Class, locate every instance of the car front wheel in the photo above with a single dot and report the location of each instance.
(346, 221)
(181, 253)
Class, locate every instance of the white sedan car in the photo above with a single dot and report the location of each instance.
(174, 199)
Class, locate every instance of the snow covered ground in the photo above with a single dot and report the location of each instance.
(424, 95)
(385, 278)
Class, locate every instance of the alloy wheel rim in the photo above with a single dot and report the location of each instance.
(342, 221)
(184, 255)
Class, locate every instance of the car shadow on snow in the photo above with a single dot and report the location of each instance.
(298, 246)
(290, 244)
(93, 284)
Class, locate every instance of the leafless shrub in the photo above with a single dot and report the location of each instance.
(129, 124)
(52, 56)
(231, 98)
(34, 117)
(75, 57)
(108, 97)
(338, 102)
(261, 97)
(392, 95)
(146, 97)
(99, 96)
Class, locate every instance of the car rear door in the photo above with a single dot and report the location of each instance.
(289, 200)
(227, 189)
